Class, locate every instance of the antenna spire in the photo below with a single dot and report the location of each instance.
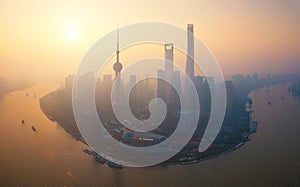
(118, 51)
(117, 66)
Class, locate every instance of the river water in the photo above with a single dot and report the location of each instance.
(52, 157)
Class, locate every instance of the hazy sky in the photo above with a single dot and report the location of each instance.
(46, 40)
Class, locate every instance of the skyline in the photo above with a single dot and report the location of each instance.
(150, 93)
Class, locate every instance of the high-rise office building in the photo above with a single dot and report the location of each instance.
(133, 92)
(190, 50)
(168, 77)
(105, 89)
(169, 57)
(161, 84)
(69, 82)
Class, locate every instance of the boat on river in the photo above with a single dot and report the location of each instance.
(100, 159)
(114, 165)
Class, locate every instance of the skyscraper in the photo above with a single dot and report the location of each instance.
(169, 57)
(161, 84)
(171, 77)
(168, 80)
(133, 93)
(189, 69)
(68, 84)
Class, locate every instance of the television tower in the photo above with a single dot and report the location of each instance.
(117, 65)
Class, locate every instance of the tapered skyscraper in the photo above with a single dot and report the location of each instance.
(189, 69)
(164, 90)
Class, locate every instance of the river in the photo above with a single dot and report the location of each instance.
(52, 157)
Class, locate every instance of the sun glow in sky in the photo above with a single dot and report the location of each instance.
(72, 31)
(47, 40)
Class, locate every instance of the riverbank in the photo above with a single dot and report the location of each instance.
(211, 157)
(57, 107)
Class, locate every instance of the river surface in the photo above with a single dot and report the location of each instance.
(52, 157)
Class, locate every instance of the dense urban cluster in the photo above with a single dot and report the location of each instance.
(236, 127)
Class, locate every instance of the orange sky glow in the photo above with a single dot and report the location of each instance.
(47, 40)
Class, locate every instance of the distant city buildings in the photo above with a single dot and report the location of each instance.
(142, 92)
(69, 84)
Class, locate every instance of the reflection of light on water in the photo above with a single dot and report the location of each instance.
(255, 156)
(49, 150)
